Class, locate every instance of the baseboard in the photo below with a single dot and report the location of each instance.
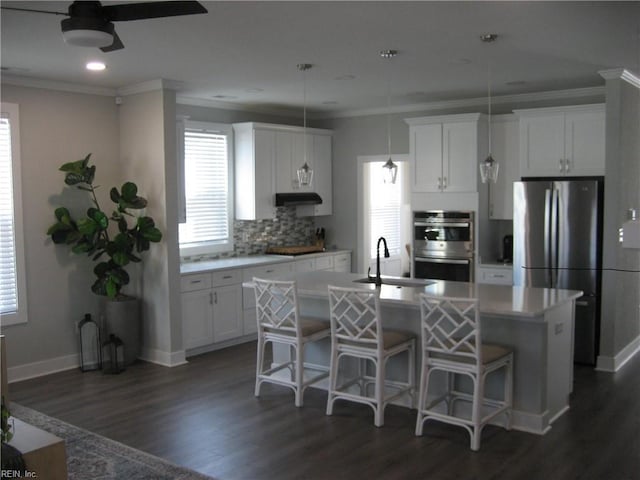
(166, 359)
(44, 367)
(613, 364)
(217, 346)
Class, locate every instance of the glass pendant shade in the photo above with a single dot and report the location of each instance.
(489, 170)
(390, 171)
(305, 175)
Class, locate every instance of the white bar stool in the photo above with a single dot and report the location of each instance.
(279, 321)
(450, 330)
(356, 331)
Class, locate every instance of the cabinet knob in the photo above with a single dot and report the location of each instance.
(567, 165)
(444, 182)
(560, 166)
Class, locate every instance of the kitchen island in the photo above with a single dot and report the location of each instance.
(536, 322)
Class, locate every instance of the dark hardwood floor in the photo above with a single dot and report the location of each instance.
(204, 416)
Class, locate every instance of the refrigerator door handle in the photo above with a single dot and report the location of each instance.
(554, 239)
(547, 236)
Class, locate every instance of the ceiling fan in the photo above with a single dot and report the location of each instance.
(89, 23)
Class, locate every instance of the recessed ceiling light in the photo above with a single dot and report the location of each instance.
(224, 97)
(346, 77)
(96, 66)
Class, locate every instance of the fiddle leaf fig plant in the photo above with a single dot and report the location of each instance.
(91, 234)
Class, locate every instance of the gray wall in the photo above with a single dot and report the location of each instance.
(621, 277)
(58, 127)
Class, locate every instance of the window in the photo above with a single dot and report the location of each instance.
(385, 214)
(13, 301)
(208, 191)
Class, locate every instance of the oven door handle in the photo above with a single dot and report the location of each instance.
(438, 224)
(454, 261)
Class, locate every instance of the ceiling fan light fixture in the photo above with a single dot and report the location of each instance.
(87, 32)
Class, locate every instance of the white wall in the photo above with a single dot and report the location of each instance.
(55, 128)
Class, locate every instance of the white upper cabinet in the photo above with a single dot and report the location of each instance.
(255, 183)
(444, 153)
(562, 141)
(267, 160)
(505, 146)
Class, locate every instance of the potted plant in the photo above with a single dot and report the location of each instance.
(110, 241)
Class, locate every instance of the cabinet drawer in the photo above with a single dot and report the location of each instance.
(226, 277)
(496, 276)
(267, 271)
(342, 262)
(324, 262)
(199, 281)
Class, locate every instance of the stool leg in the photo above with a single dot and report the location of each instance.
(259, 364)
(299, 373)
(379, 392)
(333, 379)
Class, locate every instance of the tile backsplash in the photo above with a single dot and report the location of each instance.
(253, 237)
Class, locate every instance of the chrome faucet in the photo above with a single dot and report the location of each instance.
(378, 280)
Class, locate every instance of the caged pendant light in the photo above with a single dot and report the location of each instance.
(305, 172)
(390, 168)
(489, 167)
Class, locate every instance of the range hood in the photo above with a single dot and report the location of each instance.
(292, 199)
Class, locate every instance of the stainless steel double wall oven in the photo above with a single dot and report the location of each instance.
(443, 245)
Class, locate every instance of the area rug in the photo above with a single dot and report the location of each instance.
(93, 457)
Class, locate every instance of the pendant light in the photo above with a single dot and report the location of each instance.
(390, 168)
(305, 172)
(489, 167)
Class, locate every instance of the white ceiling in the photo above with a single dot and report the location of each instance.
(246, 52)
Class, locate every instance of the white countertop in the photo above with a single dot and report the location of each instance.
(493, 299)
(248, 261)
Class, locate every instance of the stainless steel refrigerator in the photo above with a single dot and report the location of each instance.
(557, 228)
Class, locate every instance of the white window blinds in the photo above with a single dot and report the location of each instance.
(12, 282)
(385, 203)
(207, 170)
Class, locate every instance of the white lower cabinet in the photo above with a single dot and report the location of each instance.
(211, 308)
(342, 262)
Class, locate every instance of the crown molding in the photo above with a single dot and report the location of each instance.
(622, 74)
(205, 102)
(150, 86)
(33, 82)
(473, 102)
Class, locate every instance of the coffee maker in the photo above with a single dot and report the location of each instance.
(507, 249)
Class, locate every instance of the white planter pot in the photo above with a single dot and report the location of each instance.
(122, 319)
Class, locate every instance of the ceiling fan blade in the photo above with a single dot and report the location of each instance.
(140, 11)
(116, 45)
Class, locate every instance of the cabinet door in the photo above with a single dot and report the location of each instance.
(459, 157)
(197, 328)
(342, 263)
(322, 174)
(505, 143)
(584, 143)
(542, 145)
(285, 157)
(265, 183)
(227, 312)
(426, 157)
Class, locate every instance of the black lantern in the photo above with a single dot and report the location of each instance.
(115, 350)
(90, 345)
